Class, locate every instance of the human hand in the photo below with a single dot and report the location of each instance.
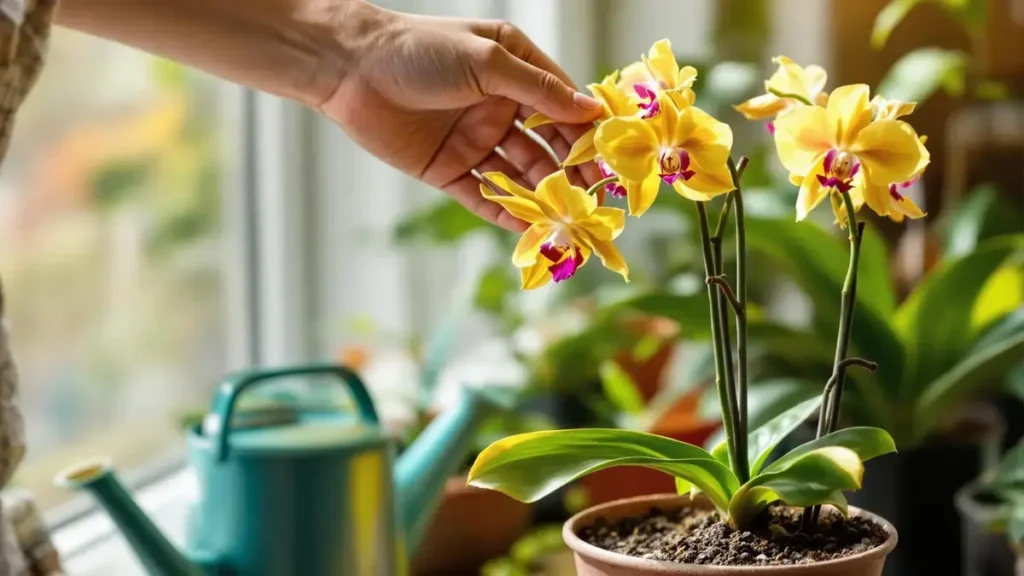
(438, 99)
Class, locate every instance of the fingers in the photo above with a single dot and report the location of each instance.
(529, 158)
(561, 137)
(504, 74)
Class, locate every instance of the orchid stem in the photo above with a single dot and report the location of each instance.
(601, 183)
(730, 296)
(832, 394)
(726, 392)
(796, 97)
(741, 289)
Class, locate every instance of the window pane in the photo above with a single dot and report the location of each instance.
(110, 254)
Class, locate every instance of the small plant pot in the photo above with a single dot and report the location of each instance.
(471, 526)
(594, 561)
(985, 546)
(905, 489)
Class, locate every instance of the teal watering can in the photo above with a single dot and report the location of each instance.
(305, 491)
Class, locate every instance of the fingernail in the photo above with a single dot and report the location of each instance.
(584, 102)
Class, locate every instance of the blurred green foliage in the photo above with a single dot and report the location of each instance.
(921, 73)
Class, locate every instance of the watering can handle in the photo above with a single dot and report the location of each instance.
(229, 391)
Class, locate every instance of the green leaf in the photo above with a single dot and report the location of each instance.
(888, 18)
(866, 442)
(494, 287)
(874, 275)
(620, 389)
(529, 466)
(935, 320)
(813, 478)
(921, 73)
(817, 262)
(690, 311)
(982, 215)
(984, 368)
(444, 222)
(764, 439)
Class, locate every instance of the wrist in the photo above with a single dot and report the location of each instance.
(335, 36)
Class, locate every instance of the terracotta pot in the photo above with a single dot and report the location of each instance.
(594, 561)
(471, 526)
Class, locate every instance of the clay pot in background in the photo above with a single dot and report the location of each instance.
(593, 561)
(648, 372)
(680, 423)
(471, 526)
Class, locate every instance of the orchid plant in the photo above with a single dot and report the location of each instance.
(843, 146)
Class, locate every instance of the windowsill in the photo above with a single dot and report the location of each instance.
(92, 546)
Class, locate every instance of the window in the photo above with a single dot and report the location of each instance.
(111, 256)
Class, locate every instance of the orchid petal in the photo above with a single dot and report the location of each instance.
(536, 120)
(630, 146)
(761, 107)
(528, 248)
(848, 113)
(583, 149)
(889, 150)
(802, 137)
(811, 193)
(571, 203)
(641, 195)
(521, 208)
(535, 276)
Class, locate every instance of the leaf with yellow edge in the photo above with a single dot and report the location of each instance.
(812, 478)
(537, 119)
(527, 467)
(583, 150)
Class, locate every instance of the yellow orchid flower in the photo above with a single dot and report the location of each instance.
(566, 226)
(830, 150)
(657, 72)
(900, 205)
(790, 78)
(682, 146)
(890, 109)
(614, 102)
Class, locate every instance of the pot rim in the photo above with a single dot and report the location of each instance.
(582, 548)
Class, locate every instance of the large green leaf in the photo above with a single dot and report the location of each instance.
(620, 389)
(817, 262)
(935, 320)
(919, 74)
(816, 477)
(874, 275)
(529, 466)
(764, 439)
(982, 215)
(866, 442)
(984, 368)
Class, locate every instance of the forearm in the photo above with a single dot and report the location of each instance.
(298, 49)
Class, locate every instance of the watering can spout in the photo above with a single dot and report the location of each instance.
(156, 553)
(438, 453)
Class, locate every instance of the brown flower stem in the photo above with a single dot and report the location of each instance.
(730, 296)
(726, 393)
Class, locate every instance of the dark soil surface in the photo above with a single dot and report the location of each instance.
(694, 536)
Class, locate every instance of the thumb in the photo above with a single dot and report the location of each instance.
(503, 74)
